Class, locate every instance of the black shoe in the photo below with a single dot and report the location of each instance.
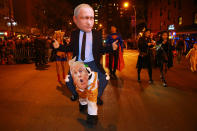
(83, 108)
(74, 97)
(99, 101)
(150, 81)
(92, 119)
(138, 79)
(164, 84)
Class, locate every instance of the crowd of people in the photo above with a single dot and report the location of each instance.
(159, 51)
(21, 50)
(17, 50)
(87, 78)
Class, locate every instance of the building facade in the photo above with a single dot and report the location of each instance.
(6, 14)
(177, 15)
(113, 12)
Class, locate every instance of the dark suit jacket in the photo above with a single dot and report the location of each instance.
(97, 48)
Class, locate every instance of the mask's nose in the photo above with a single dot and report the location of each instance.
(81, 80)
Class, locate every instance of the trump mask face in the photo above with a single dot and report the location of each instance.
(79, 74)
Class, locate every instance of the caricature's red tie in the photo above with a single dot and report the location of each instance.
(83, 47)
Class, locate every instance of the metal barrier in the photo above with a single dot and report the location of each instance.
(20, 51)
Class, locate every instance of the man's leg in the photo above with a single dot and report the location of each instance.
(138, 73)
(161, 71)
(110, 62)
(71, 86)
(92, 117)
(102, 83)
(116, 55)
(150, 74)
(179, 56)
(194, 63)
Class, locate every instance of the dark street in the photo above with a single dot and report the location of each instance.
(32, 100)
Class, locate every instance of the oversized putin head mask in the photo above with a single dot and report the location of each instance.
(84, 17)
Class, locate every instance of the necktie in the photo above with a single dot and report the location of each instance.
(83, 47)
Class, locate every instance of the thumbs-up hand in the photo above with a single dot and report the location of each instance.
(114, 45)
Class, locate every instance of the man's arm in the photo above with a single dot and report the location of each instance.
(103, 49)
(107, 48)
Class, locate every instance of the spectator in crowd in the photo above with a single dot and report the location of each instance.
(144, 59)
(181, 48)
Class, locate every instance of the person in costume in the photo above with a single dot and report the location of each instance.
(144, 58)
(192, 56)
(114, 62)
(181, 48)
(86, 45)
(164, 55)
(86, 82)
(60, 47)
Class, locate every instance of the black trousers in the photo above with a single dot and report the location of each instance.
(163, 71)
(113, 57)
(144, 62)
(149, 72)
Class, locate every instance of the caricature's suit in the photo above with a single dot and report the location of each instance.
(97, 51)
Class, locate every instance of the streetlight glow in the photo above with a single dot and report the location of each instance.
(126, 4)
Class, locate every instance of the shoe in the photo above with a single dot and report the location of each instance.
(164, 84)
(83, 108)
(74, 97)
(150, 81)
(92, 119)
(138, 80)
(99, 101)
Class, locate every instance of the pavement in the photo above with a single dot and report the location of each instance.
(33, 100)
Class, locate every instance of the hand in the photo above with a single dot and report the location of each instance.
(153, 43)
(149, 44)
(114, 45)
(164, 41)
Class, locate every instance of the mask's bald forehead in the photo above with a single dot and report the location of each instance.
(86, 11)
(81, 6)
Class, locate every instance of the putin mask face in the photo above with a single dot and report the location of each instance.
(84, 19)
